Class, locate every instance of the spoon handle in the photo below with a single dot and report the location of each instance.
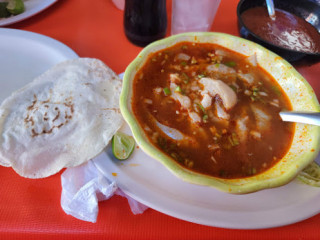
(270, 6)
(301, 117)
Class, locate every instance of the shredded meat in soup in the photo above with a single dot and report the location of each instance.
(212, 110)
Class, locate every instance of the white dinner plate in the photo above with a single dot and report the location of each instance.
(25, 55)
(32, 7)
(150, 183)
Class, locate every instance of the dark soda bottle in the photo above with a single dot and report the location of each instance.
(145, 21)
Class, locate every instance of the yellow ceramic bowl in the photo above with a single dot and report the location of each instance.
(305, 145)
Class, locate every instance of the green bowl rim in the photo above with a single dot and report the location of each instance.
(198, 178)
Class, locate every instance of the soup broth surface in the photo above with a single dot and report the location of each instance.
(212, 110)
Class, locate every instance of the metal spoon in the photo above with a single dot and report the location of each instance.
(301, 117)
(271, 11)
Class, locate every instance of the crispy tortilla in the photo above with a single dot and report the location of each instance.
(62, 119)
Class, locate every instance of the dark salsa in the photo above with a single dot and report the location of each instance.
(287, 30)
(212, 110)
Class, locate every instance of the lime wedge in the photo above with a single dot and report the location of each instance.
(311, 175)
(15, 6)
(122, 145)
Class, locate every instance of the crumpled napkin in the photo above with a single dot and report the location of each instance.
(84, 186)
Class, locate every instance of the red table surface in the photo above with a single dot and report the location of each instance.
(30, 209)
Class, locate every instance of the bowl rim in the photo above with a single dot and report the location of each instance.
(246, 185)
(292, 51)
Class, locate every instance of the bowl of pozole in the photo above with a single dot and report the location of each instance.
(206, 105)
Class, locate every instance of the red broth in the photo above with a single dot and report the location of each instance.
(212, 110)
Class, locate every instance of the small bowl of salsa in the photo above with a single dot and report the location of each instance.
(293, 34)
(206, 105)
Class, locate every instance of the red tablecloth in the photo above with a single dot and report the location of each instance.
(30, 209)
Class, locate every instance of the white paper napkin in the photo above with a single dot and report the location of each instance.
(84, 186)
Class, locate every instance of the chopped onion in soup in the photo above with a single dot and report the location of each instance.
(212, 110)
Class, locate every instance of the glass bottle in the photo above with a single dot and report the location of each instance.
(145, 21)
